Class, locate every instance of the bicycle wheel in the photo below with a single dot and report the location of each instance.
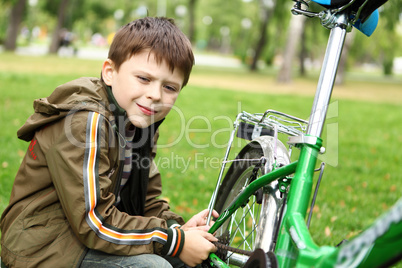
(255, 224)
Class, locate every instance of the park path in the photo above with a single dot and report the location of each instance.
(387, 90)
(373, 91)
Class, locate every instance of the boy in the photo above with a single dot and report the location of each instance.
(86, 192)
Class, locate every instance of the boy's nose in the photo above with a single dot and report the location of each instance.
(154, 93)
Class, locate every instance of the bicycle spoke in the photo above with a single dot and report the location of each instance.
(238, 224)
(253, 221)
(234, 223)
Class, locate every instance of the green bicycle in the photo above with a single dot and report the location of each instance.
(263, 198)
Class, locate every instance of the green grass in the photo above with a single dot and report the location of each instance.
(362, 179)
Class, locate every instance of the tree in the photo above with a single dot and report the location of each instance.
(55, 43)
(294, 35)
(219, 27)
(303, 52)
(191, 14)
(340, 76)
(391, 13)
(267, 8)
(16, 17)
(313, 41)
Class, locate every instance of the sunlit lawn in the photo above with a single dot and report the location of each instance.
(362, 178)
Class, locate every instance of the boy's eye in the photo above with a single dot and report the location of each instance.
(170, 88)
(143, 79)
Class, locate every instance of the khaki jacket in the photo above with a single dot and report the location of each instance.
(64, 194)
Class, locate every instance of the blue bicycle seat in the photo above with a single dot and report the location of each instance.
(332, 3)
(369, 15)
(369, 25)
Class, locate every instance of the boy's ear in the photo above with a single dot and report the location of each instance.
(107, 72)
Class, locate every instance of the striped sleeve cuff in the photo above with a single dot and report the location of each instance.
(175, 242)
(172, 223)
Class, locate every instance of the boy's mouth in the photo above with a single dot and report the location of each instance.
(146, 110)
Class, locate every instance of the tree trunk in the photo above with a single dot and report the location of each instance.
(55, 44)
(17, 13)
(266, 15)
(294, 34)
(340, 75)
(303, 52)
(191, 11)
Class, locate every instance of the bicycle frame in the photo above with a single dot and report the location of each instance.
(295, 247)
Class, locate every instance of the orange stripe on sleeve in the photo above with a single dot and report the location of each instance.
(178, 243)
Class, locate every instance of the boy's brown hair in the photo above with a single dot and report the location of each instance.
(161, 36)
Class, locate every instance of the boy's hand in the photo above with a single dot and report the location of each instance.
(199, 220)
(197, 246)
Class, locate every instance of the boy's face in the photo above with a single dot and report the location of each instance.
(145, 89)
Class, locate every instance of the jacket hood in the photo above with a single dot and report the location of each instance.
(85, 93)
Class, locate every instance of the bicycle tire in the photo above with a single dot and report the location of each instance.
(252, 217)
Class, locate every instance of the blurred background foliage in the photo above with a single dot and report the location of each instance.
(253, 31)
